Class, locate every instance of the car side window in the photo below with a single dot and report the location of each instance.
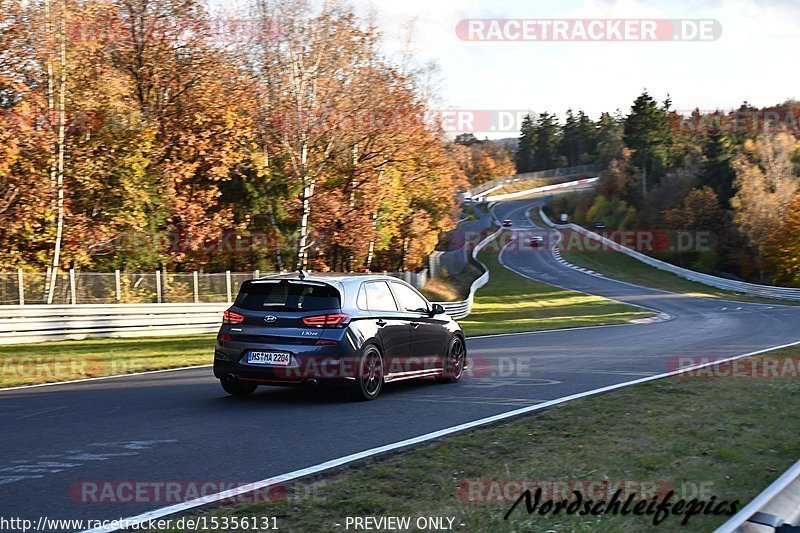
(379, 297)
(361, 299)
(410, 301)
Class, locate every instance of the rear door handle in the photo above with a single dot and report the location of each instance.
(380, 322)
(415, 325)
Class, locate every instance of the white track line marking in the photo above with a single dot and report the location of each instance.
(117, 376)
(490, 335)
(155, 514)
(710, 297)
(661, 316)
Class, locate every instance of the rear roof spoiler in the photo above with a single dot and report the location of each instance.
(286, 280)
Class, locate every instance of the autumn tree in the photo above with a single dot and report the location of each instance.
(766, 183)
(481, 160)
(700, 211)
(197, 106)
(341, 122)
(783, 246)
(305, 77)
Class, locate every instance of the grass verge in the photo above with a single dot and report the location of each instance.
(511, 303)
(30, 364)
(619, 266)
(535, 183)
(450, 288)
(668, 433)
(616, 265)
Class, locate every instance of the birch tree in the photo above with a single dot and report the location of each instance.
(60, 142)
(306, 76)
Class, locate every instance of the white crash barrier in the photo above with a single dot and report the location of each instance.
(765, 291)
(37, 323)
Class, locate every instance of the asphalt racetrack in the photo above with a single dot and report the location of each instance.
(181, 426)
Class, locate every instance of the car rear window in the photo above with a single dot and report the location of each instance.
(284, 296)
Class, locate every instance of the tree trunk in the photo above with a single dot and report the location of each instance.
(644, 175)
(51, 113)
(301, 261)
(351, 254)
(371, 250)
(302, 239)
(62, 95)
(374, 227)
(402, 266)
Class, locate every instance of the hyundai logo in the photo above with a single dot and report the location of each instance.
(270, 318)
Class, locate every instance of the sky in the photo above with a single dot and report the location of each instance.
(754, 58)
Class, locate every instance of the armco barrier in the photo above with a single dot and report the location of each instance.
(463, 308)
(489, 186)
(777, 508)
(36, 323)
(765, 291)
(578, 184)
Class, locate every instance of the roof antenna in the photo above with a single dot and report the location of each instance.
(302, 274)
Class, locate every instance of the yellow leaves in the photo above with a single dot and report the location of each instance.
(154, 133)
(767, 182)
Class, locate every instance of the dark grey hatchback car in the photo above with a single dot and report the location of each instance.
(360, 331)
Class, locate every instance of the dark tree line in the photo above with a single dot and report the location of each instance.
(732, 173)
(545, 144)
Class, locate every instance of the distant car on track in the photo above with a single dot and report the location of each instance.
(536, 241)
(507, 223)
(359, 331)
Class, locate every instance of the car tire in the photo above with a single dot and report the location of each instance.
(238, 388)
(369, 378)
(454, 362)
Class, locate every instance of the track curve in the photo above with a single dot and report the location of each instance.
(180, 426)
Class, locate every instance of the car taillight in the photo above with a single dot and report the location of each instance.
(229, 317)
(321, 321)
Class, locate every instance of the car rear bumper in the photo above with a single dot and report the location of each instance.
(309, 365)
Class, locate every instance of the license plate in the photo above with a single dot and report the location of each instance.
(269, 358)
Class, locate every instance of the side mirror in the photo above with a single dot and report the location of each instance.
(437, 309)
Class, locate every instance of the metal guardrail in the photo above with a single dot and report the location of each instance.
(485, 188)
(777, 508)
(463, 308)
(764, 291)
(37, 323)
(578, 184)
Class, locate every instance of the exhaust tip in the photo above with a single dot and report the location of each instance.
(230, 377)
